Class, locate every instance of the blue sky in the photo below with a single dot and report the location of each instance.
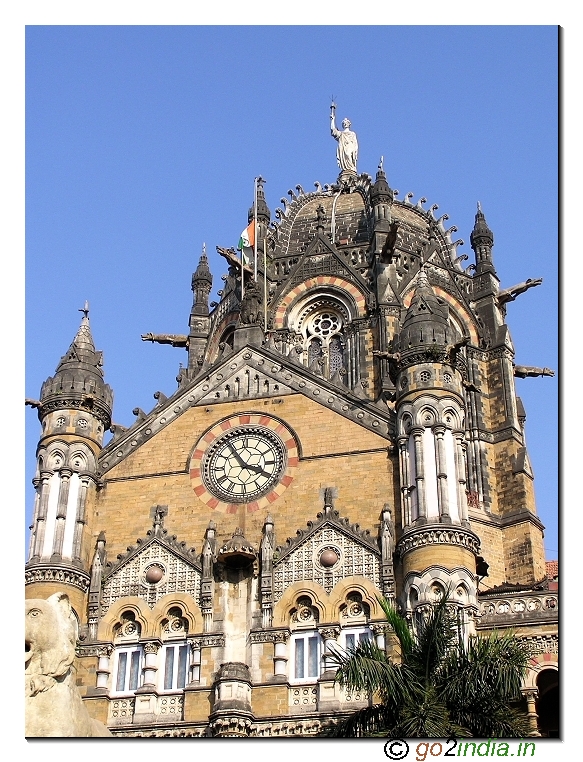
(142, 143)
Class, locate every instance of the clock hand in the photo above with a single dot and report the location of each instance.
(241, 462)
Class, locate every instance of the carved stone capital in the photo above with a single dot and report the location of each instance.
(98, 650)
(329, 633)
(269, 636)
(208, 641)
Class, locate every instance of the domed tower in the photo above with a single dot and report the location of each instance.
(75, 410)
(438, 549)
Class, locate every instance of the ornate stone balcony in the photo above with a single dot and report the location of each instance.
(513, 608)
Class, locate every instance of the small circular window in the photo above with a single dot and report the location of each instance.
(425, 376)
(60, 421)
(82, 423)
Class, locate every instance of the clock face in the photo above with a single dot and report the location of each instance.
(244, 464)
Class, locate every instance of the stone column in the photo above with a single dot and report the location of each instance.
(379, 634)
(280, 654)
(65, 477)
(404, 476)
(329, 636)
(103, 667)
(460, 465)
(328, 690)
(442, 490)
(36, 482)
(80, 517)
(41, 519)
(530, 695)
(195, 661)
(417, 434)
(145, 707)
(150, 663)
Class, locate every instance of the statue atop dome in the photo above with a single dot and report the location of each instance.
(347, 151)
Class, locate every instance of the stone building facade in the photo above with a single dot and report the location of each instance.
(345, 426)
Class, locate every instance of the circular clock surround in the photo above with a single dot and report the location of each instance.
(244, 461)
(244, 464)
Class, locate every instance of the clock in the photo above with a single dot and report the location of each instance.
(244, 464)
(248, 459)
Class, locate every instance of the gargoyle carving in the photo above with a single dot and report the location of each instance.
(176, 340)
(526, 371)
(510, 294)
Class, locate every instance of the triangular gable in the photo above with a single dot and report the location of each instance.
(320, 258)
(180, 568)
(270, 365)
(357, 554)
(244, 383)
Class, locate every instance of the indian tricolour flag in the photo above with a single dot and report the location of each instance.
(247, 242)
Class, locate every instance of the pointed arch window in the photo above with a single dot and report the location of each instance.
(323, 331)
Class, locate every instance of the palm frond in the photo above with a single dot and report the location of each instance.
(367, 722)
(367, 668)
(399, 625)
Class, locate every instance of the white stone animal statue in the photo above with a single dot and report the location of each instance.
(53, 704)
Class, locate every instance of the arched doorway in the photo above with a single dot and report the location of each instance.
(547, 705)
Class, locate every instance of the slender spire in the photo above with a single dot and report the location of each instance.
(482, 240)
(263, 213)
(82, 353)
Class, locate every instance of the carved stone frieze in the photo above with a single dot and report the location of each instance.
(97, 408)
(541, 644)
(94, 649)
(214, 640)
(269, 636)
(41, 573)
(438, 535)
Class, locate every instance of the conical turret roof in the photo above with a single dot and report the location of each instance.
(426, 322)
(78, 380)
(481, 234)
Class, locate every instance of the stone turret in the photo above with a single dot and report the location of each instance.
(429, 367)
(77, 399)
(75, 411)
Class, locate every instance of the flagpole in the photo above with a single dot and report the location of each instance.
(265, 281)
(255, 232)
(242, 275)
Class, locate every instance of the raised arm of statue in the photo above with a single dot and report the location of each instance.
(347, 151)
